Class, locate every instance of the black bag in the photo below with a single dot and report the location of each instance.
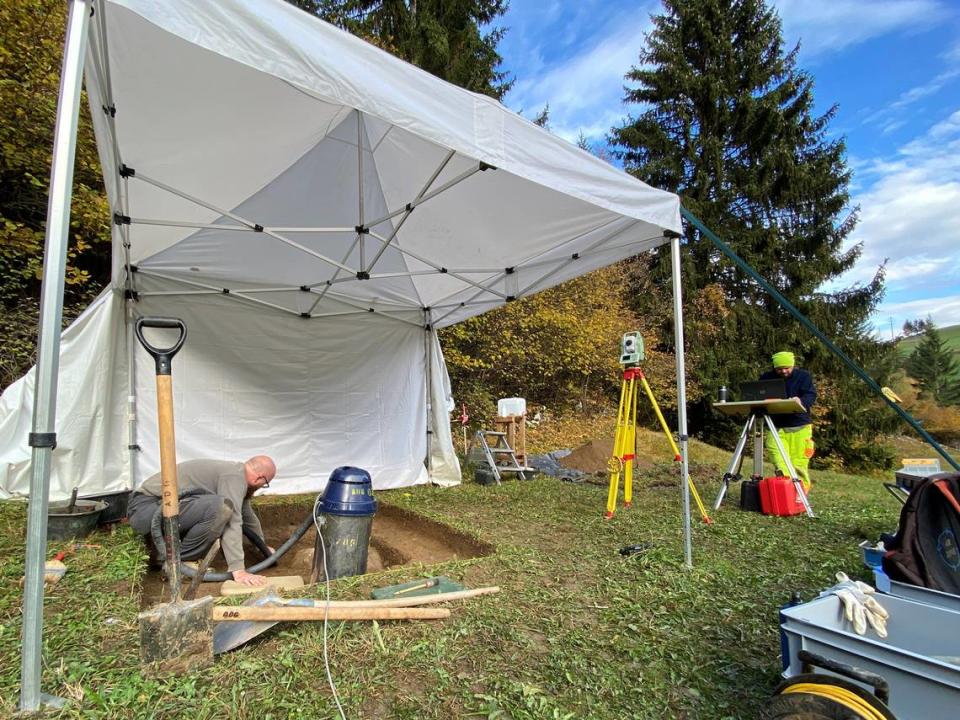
(925, 549)
(750, 496)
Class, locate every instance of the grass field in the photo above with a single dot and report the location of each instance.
(578, 631)
(950, 335)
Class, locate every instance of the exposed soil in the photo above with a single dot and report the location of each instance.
(398, 537)
(594, 457)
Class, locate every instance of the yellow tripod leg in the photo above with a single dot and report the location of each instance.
(676, 451)
(615, 464)
(629, 450)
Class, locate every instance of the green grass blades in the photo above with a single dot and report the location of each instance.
(578, 630)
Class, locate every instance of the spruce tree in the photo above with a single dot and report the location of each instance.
(726, 119)
(441, 36)
(934, 367)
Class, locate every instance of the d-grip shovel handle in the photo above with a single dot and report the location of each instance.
(169, 499)
(162, 356)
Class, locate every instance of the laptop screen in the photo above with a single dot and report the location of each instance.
(763, 390)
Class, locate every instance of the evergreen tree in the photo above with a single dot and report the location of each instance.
(443, 37)
(933, 365)
(728, 122)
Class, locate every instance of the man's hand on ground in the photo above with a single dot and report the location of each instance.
(245, 578)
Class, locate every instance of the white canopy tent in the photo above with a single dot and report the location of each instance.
(307, 204)
(314, 210)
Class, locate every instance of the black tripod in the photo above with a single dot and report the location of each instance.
(754, 426)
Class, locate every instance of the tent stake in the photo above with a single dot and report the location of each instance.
(43, 437)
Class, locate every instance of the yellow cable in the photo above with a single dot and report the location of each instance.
(841, 695)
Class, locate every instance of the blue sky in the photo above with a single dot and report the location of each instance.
(892, 66)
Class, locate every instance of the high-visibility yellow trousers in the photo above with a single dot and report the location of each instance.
(798, 443)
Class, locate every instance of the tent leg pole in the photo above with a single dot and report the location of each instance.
(43, 438)
(427, 350)
(681, 393)
(132, 446)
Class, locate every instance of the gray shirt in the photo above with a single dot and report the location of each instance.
(227, 480)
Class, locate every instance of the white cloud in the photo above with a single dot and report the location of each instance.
(909, 217)
(944, 310)
(825, 26)
(911, 96)
(585, 91)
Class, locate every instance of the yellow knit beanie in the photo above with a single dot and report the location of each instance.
(783, 359)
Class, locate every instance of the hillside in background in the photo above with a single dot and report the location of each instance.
(950, 334)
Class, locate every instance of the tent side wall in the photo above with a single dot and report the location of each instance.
(91, 410)
(314, 394)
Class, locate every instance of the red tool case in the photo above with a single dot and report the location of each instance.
(779, 496)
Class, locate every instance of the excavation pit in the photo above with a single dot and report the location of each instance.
(399, 537)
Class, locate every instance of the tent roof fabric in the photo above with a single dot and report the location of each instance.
(302, 169)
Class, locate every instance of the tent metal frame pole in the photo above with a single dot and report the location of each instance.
(563, 263)
(427, 341)
(523, 264)
(219, 291)
(681, 392)
(101, 70)
(252, 225)
(133, 447)
(43, 436)
(240, 296)
(238, 228)
(360, 183)
(408, 210)
(413, 204)
(576, 256)
(439, 267)
(336, 275)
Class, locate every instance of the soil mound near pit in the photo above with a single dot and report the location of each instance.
(591, 457)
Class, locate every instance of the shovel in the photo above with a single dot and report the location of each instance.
(176, 637)
(245, 627)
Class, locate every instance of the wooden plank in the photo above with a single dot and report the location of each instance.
(241, 613)
(745, 407)
(280, 582)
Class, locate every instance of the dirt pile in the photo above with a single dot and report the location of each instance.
(594, 457)
(591, 457)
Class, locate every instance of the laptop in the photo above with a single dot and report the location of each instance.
(763, 390)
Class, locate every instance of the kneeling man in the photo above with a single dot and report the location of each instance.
(214, 500)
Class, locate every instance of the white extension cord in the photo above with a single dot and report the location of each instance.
(326, 609)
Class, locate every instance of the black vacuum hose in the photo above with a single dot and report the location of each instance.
(258, 541)
(156, 532)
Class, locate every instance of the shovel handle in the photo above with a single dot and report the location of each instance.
(162, 356)
(168, 455)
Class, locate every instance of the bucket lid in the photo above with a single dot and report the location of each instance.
(349, 491)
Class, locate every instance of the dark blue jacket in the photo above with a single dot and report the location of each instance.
(799, 384)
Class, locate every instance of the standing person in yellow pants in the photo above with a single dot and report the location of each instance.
(795, 429)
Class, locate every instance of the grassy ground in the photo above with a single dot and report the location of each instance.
(578, 631)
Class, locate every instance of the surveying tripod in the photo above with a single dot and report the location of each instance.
(624, 443)
(757, 420)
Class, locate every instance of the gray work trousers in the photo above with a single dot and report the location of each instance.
(198, 517)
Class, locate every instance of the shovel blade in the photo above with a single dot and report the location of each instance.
(176, 638)
(228, 636)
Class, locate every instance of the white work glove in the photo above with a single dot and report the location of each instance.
(859, 605)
